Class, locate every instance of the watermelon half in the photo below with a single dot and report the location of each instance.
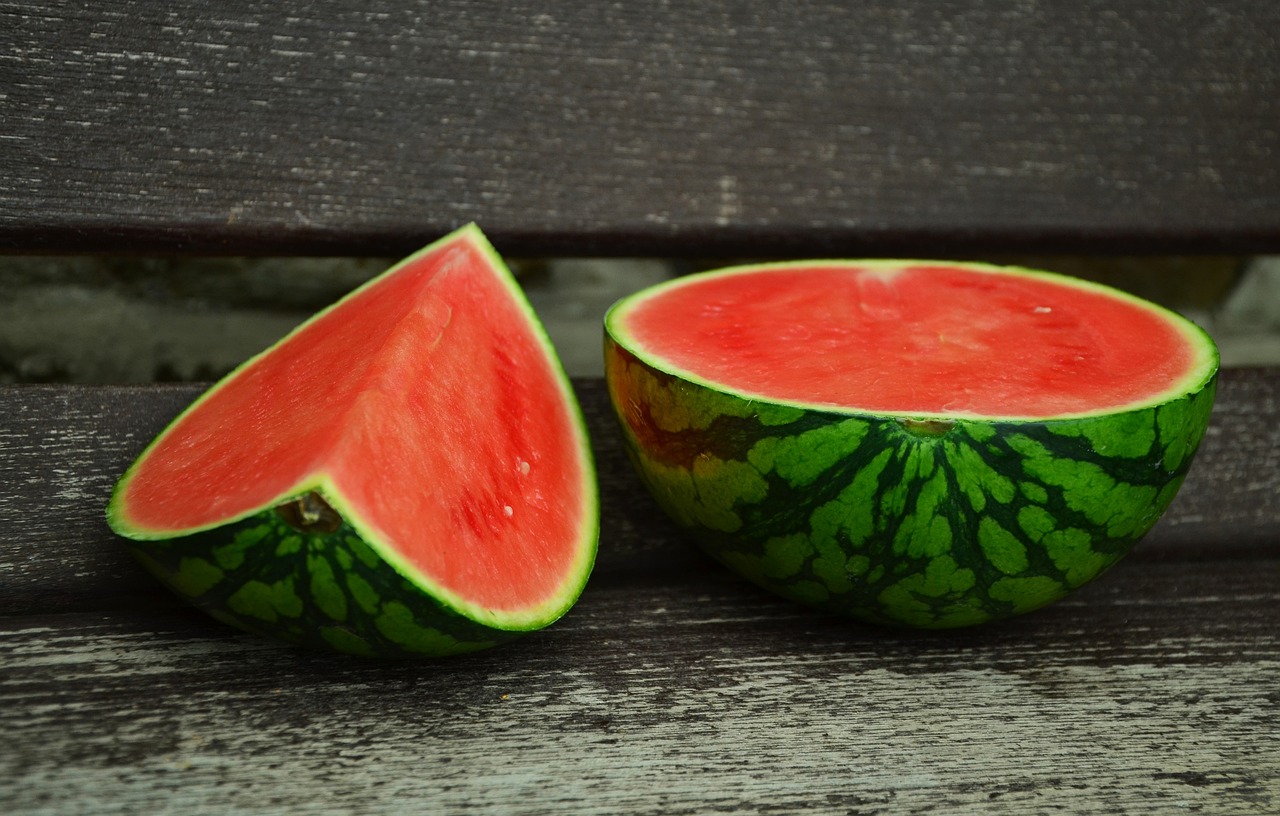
(907, 442)
(405, 473)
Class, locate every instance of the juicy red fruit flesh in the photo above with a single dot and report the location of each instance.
(916, 339)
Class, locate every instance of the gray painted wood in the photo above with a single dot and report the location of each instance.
(671, 688)
(797, 129)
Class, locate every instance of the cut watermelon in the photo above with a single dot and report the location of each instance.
(405, 473)
(920, 443)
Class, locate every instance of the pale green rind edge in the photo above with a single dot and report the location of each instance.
(1203, 370)
(527, 620)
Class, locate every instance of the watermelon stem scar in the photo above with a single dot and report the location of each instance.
(310, 513)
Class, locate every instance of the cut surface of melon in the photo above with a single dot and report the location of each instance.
(916, 338)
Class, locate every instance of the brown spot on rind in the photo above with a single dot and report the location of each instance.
(310, 513)
(927, 427)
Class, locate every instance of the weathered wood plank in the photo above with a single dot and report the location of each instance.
(823, 127)
(655, 698)
(672, 687)
(61, 450)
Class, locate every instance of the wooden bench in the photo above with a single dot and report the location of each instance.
(740, 129)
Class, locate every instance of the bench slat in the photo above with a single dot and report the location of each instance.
(692, 695)
(64, 447)
(748, 127)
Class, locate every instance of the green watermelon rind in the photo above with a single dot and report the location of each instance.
(328, 591)
(162, 551)
(905, 519)
(1204, 366)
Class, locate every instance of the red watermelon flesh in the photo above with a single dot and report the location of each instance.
(917, 339)
(428, 410)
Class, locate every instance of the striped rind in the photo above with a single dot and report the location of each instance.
(330, 591)
(924, 524)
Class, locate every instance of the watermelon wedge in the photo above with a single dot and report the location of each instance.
(908, 442)
(406, 473)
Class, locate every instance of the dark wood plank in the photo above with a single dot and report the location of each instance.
(747, 127)
(62, 448)
(686, 696)
(672, 687)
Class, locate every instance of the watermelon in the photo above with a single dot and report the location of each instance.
(406, 473)
(910, 443)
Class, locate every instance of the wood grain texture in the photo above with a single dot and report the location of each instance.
(745, 127)
(672, 687)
